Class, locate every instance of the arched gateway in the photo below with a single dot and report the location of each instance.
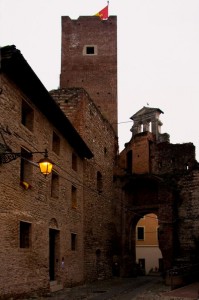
(143, 195)
(153, 178)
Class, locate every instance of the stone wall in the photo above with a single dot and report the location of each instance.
(164, 183)
(26, 270)
(99, 135)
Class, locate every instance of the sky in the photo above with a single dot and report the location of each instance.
(157, 47)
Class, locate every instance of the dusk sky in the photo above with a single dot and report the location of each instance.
(158, 54)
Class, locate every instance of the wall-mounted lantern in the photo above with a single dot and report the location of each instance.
(45, 163)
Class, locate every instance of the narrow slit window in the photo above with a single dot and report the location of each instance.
(25, 230)
(56, 143)
(27, 115)
(26, 167)
(74, 161)
(74, 196)
(129, 159)
(73, 241)
(55, 185)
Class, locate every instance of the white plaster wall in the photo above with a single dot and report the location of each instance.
(151, 254)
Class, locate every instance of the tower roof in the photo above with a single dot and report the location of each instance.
(146, 111)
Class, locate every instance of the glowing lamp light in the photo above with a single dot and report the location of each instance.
(45, 165)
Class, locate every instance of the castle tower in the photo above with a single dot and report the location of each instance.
(89, 61)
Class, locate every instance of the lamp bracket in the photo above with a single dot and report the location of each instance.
(3, 146)
(7, 157)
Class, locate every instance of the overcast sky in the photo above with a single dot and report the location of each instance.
(158, 54)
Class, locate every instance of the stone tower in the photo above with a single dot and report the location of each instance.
(89, 61)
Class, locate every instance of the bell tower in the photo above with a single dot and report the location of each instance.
(89, 61)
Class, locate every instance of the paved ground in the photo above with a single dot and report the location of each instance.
(115, 288)
(140, 288)
(188, 292)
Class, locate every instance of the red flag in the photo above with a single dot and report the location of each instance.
(103, 14)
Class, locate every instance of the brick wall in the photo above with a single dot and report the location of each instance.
(98, 214)
(26, 270)
(163, 180)
(97, 73)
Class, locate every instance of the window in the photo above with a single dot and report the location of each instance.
(55, 185)
(90, 50)
(27, 115)
(25, 229)
(129, 159)
(99, 182)
(74, 161)
(56, 143)
(26, 166)
(187, 167)
(74, 196)
(140, 233)
(73, 241)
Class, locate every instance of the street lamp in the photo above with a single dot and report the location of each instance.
(45, 163)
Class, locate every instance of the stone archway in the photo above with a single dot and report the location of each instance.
(144, 194)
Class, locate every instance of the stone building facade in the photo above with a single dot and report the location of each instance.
(42, 218)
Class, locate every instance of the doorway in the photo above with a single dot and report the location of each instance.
(53, 253)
